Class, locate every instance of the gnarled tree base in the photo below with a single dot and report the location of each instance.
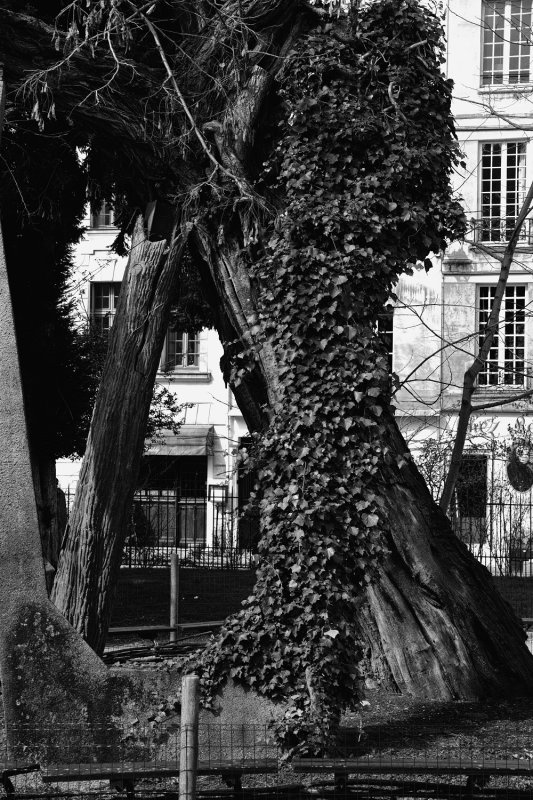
(434, 621)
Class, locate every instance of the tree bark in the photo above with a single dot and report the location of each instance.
(92, 547)
(436, 625)
(50, 677)
(432, 622)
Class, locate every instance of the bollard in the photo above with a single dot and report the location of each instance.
(174, 595)
(189, 736)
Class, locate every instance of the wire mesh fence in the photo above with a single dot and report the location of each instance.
(143, 595)
(470, 755)
(465, 757)
(171, 760)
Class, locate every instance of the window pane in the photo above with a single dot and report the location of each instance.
(105, 218)
(503, 188)
(182, 350)
(492, 67)
(193, 350)
(519, 40)
(104, 300)
(505, 364)
(489, 372)
(506, 48)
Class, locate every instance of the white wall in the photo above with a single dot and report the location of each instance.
(203, 387)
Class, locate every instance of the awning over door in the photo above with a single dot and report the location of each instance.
(192, 440)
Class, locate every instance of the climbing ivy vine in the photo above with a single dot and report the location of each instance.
(363, 148)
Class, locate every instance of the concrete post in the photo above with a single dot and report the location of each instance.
(174, 595)
(189, 736)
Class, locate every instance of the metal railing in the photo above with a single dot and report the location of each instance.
(500, 534)
(499, 230)
(212, 533)
(209, 533)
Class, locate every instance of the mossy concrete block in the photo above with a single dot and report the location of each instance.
(60, 701)
(237, 705)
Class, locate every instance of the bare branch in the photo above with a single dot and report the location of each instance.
(471, 374)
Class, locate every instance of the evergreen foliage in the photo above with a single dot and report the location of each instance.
(42, 199)
(362, 153)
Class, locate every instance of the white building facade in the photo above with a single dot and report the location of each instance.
(438, 316)
(189, 488)
(190, 483)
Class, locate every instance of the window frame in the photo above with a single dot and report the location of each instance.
(497, 228)
(498, 361)
(103, 313)
(502, 44)
(106, 209)
(471, 498)
(385, 330)
(186, 339)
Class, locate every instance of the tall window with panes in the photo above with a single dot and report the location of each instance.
(181, 350)
(506, 362)
(104, 218)
(385, 328)
(507, 40)
(503, 189)
(104, 301)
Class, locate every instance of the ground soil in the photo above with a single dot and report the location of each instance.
(407, 726)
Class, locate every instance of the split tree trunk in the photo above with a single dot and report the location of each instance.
(433, 623)
(92, 548)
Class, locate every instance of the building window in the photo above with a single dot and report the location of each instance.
(507, 39)
(503, 189)
(170, 505)
(104, 300)
(385, 329)
(471, 499)
(105, 218)
(505, 365)
(181, 350)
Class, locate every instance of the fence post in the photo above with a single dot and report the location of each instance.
(174, 595)
(189, 737)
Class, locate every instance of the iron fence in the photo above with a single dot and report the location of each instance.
(500, 534)
(214, 533)
(211, 531)
(499, 230)
(498, 531)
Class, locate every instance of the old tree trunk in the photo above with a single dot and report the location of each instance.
(335, 148)
(361, 575)
(51, 679)
(94, 539)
